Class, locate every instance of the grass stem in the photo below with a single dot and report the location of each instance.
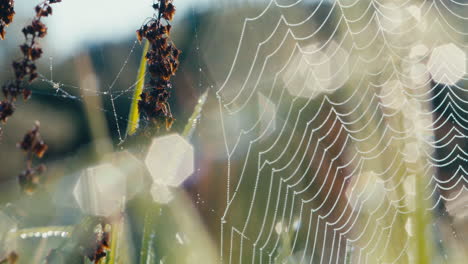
(134, 114)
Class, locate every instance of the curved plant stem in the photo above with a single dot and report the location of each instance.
(134, 114)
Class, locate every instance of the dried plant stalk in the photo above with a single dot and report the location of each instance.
(7, 13)
(162, 63)
(25, 69)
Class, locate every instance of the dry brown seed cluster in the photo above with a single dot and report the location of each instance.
(12, 258)
(6, 110)
(7, 12)
(25, 68)
(163, 61)
(97, 248)
(85, 242)
(33, 145)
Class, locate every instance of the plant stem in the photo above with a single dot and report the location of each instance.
(422, 222)
(146, 252)
(134, 114)
(115, 238)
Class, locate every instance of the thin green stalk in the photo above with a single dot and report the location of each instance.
(285, 248)
(146, 252)
(422, 222)
(134, 115)
(115, 238)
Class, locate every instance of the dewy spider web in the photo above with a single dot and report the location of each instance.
(60, 89)
(323, 164)
(338, 151)
(109, 93)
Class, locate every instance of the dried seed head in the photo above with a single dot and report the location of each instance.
(43, 11)
(6, 110)
(169, 12)
(12, 258)
(25, 69)
(33, 143)
(2, 30)
(163, 61)
(98, 246)
(7, 14)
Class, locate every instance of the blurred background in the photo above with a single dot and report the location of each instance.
(307, 150)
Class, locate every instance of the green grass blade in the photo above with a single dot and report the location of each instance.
(115, 239)
(134, 115)
(146, 253)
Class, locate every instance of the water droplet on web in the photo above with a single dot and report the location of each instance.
(297, 224)
(179, 239)
(279, 227)
(267, 115)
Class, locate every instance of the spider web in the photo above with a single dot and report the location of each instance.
(74, 92)
(325, 172)
(114, 97)
(361, 125)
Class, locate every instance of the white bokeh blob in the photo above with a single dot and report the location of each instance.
(100, 190)
(170, 160)
(447, 64)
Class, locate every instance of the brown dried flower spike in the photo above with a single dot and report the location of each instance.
(98, 246)
(12, 258)
(7, 12)
(6, 110)
(25, 68)
(32, 144)
(163, 61)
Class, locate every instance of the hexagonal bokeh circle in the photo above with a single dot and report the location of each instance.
(170, 160)
(7, 224)
(100, 190)
(161, 194)
(447, 64)
(132, 168)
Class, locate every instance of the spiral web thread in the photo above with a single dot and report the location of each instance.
(352, 128)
